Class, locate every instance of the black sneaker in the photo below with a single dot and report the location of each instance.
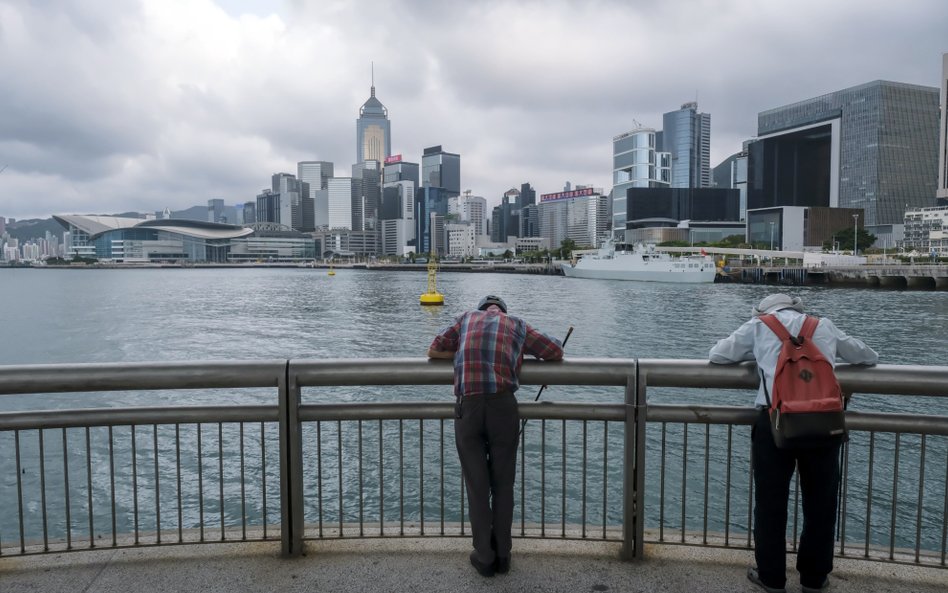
(485, 570)
(502, 565)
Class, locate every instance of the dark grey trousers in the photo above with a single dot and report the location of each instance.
(487, 434)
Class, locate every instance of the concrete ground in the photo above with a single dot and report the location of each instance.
(423, 566)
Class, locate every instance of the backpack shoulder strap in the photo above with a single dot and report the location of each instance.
(775, 326)
(809, 326)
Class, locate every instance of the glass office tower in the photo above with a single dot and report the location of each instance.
(872, 146)
(686, 136)
(373, 131)
(635, 163)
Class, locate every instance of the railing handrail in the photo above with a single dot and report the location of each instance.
(132, 376)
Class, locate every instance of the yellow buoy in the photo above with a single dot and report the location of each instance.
(331, 271)
(432, 297)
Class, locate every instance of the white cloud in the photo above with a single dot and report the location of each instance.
(117, 106)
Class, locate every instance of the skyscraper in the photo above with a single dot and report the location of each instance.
(636, 162)
(441, 169)
(686, 136)
(367, 184)
(316, 174)
(942, 191)
(373, 130)
(340, 193)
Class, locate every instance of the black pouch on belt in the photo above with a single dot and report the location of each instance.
(457, 407)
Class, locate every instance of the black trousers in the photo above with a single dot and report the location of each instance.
(487, 434)
(819, 484)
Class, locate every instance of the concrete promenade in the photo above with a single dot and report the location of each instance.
(423, 566)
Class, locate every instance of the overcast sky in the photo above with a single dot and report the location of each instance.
(109, 106)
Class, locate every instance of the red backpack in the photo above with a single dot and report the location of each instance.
(806, 406)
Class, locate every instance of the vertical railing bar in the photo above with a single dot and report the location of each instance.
(523, 483)
(243, 487)
(292, 499)
(361, 496)
(177, 458)
(640, 417)
(19, 489)
(661, 485)
(944, 516)
(42, 460)
(421, 475)
(135, 481)
(319, 473)
(841, 518)
(381, 484)
(154, 434)
(605, 474)
(89, 488)
(895, 495)
(707, 468)
(112, 485)
(727, 488)
(220, 470)
(921, 501)
(585, 474)
(401, 477)
(543, 478)
(339, 459)
(66, 491)
(263, 478)
(872, 451)
(684, 477)
(441, 449)
(200, 468)
(563, 475)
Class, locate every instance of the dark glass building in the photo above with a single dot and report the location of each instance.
(667, 206)
(871, 147)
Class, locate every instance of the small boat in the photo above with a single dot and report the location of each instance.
(643, 263)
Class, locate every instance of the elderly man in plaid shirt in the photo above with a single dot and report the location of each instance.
(487, 347)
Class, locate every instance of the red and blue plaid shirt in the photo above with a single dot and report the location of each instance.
(489, 347)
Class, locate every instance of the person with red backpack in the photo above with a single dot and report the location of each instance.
(800, 426)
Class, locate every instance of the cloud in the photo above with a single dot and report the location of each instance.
(120, 105)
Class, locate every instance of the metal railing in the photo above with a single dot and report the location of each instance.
(289, 466)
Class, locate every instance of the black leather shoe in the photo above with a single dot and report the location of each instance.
(485, 570)
(502, 565)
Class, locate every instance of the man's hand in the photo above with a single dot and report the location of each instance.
(446, 354)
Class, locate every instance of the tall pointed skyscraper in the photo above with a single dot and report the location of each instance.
(373, 130)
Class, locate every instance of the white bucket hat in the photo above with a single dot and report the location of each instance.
(776, 302)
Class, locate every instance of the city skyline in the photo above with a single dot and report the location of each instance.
(168, 105)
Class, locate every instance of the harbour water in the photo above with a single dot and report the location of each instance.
(75, 316)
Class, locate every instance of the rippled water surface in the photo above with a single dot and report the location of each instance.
(74, 316)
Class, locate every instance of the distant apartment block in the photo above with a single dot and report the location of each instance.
(926, 230)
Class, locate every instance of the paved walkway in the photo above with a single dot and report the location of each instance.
(424, 566)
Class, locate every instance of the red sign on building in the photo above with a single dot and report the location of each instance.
(395, 158)
(563, 195)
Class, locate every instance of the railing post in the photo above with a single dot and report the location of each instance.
(291, 465)
(633, 475)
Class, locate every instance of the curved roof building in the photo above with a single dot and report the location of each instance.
(140, 240)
